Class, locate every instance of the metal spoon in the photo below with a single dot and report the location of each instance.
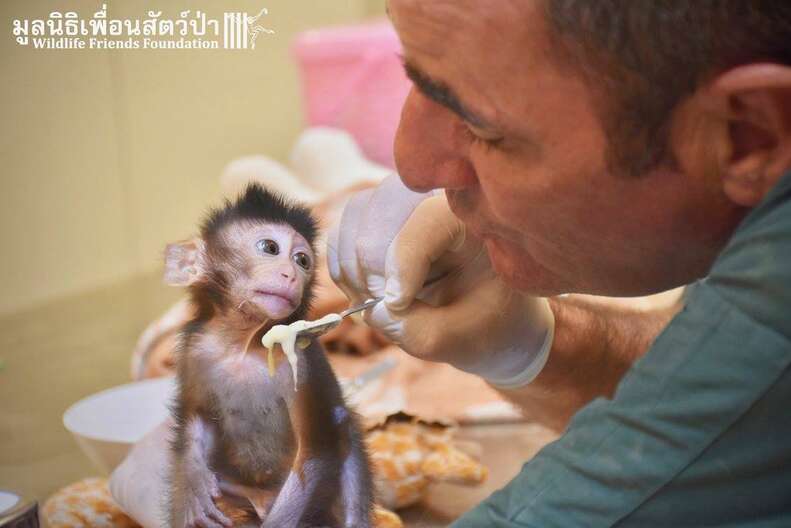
(326, 327)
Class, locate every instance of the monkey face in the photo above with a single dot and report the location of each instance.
(262, 269)
(272, 266)
(253, 259)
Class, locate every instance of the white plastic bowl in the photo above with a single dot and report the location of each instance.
(108, 423)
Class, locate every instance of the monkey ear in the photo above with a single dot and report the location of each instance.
(184, 262)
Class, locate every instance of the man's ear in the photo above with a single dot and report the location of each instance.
(184, 262)
(758, 98)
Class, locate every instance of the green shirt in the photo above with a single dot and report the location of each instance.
(699, 430)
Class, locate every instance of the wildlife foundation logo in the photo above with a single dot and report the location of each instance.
(188, 30)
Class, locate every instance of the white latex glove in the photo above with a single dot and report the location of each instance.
(139, 484)
(391, 241)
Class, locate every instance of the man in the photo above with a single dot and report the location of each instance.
(613, 147)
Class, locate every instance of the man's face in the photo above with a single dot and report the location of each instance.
(516, 142)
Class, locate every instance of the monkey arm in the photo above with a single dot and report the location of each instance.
(313, 433)
(356, 482)
(194, 484)
(356, 490)
(295, 495)
(329, 445)
(310, 467)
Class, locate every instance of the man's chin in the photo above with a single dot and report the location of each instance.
(518, 269)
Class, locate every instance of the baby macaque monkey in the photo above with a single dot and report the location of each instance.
(251, 448)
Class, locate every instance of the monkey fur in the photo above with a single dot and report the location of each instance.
(248, 449)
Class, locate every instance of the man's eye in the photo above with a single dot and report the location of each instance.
(302, 260)
(488, 139)
(267, 246)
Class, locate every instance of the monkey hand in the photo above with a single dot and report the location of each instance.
(199, 508)
(443, 301)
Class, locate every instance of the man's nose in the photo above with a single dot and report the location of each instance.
(432, 146)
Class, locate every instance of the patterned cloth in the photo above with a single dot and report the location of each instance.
(407, 455)
(88, 504)
(85, 504)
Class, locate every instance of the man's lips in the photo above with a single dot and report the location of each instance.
(478, 225)
(477, 228)
(476, 220)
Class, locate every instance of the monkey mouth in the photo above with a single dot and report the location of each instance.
(288, 298)
(274, 301)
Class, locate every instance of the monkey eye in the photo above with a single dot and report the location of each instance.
(267, 246)
(302, 260)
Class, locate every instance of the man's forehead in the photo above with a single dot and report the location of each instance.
(456, 22)
(464, 52)
(432, 28)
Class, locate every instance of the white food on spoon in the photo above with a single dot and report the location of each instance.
(286, 336)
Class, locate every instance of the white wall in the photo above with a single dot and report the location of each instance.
(108, 155)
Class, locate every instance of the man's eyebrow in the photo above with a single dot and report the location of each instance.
(443, 95)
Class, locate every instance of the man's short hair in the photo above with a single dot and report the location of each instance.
(643, 57)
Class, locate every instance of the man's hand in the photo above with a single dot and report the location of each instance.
(442, 302)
